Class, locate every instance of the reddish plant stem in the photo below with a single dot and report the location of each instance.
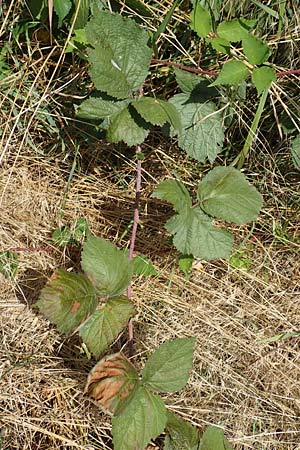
(211, 72)
(183, 67)
(136, 219)
(288, 72)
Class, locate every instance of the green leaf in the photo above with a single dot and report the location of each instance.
(201, 20)
(62, 9)
(67, 300)
(106, 266)
(112, 382)
(233, 72)
(104, 326)
(167, 370)
(255, 50)
(194, 234)
(195, 86)
(186, 81)
(8, 264)
(295, 151)
(83, 13)
(128, 127)
(185, 263)
(62, 236)
(142, 266)
(262, 78)
(144, 418)
(233, 30)
(202, 133)
(120, 58)
(225, 193)
(180, 435)
(157, 111)
(173, 191)
(96, 108)
(219, 44)
(82, 230)
(239, 261)
(214, 439)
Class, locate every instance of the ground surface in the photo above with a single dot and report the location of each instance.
(242, 380)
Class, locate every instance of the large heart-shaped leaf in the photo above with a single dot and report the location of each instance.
(104, 326)
(67, 300)
(112, 382)
(107, 267)
(120, 58)
(225, 193)
(167, 370)
(142, 419)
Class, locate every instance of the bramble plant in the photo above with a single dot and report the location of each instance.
(119, 53)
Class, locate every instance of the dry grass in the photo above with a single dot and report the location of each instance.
(248, 386)
(241, 380)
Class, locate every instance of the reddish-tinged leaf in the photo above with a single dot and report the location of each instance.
(67, 300)
(112, 382)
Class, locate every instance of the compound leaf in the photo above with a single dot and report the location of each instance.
(180, 434)
(157, 111)
(127, 127)
(201, 135)
(67, 300)
(143, 418)
(214, 439)
(262, 78)
(201, 20)
(233, 72)
(255, 50)
(194, 234)
(120, 58)
(112, 382)
(96, 108)
(62, 9)
(106, 266)
(233, 30)
(167, 370)
(173, 191)
(295, 151)
(225, 193)
(104, 326)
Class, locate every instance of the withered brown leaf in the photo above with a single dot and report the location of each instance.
(112, 381)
